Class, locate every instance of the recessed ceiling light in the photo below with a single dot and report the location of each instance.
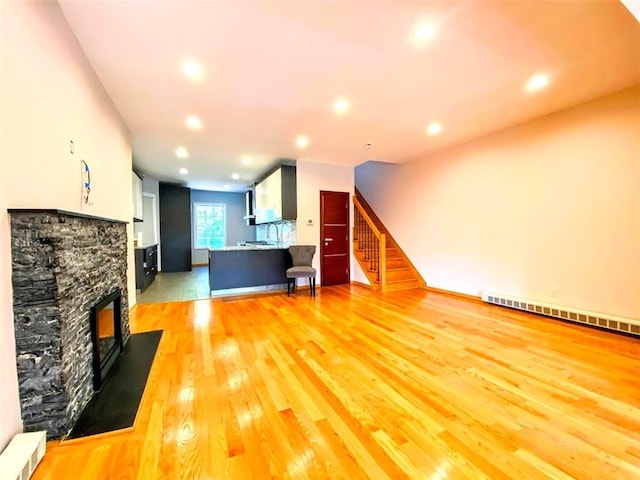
(235, 176)
(192, 69)
(434, 129)
(182, 152)
(423, 32)
(341, 106)
(302, 141)
(247, 160)
(193, 123)
(537, 82)
(184, 171)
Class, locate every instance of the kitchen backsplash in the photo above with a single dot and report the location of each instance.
(285, 231)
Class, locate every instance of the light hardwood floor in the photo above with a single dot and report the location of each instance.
(356, 384)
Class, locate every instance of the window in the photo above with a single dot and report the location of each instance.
(209, 225)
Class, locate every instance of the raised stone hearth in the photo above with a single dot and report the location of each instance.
(63, 264)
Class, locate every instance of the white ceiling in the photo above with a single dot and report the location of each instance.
(272, 70)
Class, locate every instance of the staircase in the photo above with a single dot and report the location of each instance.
(383, 261)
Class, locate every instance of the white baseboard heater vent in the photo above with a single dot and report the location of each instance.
(610, 322)
(23, 454)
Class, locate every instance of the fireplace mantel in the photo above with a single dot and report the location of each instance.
(55, 211)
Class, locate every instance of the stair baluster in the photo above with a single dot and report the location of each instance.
(369, 241)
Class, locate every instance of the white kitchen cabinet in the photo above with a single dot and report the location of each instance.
(138, 215)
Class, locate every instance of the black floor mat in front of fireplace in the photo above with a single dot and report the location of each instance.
(116, 404)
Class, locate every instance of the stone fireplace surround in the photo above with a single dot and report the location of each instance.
(63, 263)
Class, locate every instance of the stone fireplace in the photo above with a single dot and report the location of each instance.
(63, 265)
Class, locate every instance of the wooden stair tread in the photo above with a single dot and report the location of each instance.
(393, 286)
(396, 263)
(399, 274)
(408, 280)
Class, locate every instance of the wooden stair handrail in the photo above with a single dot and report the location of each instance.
(367, 218)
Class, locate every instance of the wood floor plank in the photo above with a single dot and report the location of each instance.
(357, 384)
(148, 465)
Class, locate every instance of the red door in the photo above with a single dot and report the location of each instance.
(334, 238)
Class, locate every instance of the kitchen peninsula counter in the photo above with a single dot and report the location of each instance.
(247, 266)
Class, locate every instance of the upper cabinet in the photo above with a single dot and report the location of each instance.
(137, 198)
(275, 196)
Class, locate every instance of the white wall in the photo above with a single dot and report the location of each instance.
(50, 96)
(548, 210)
(9, 403)
(311, 178)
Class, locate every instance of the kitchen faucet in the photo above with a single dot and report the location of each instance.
(277, 233)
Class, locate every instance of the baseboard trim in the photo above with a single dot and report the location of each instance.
(361, 284)
(451, 293)
(306, 287)
(199, 264)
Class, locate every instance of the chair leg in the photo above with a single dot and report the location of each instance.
(312, 286)
(288, 287)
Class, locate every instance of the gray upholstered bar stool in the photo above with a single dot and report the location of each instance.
(302, 258)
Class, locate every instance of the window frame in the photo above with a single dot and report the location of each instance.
(194, 223)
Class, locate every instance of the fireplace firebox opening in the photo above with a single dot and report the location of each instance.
(106, 336)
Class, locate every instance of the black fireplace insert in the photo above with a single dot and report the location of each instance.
(106, 335)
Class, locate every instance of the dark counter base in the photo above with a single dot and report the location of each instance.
(146, 265)
(247, 268)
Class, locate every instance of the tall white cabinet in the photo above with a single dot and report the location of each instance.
(138, 209)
